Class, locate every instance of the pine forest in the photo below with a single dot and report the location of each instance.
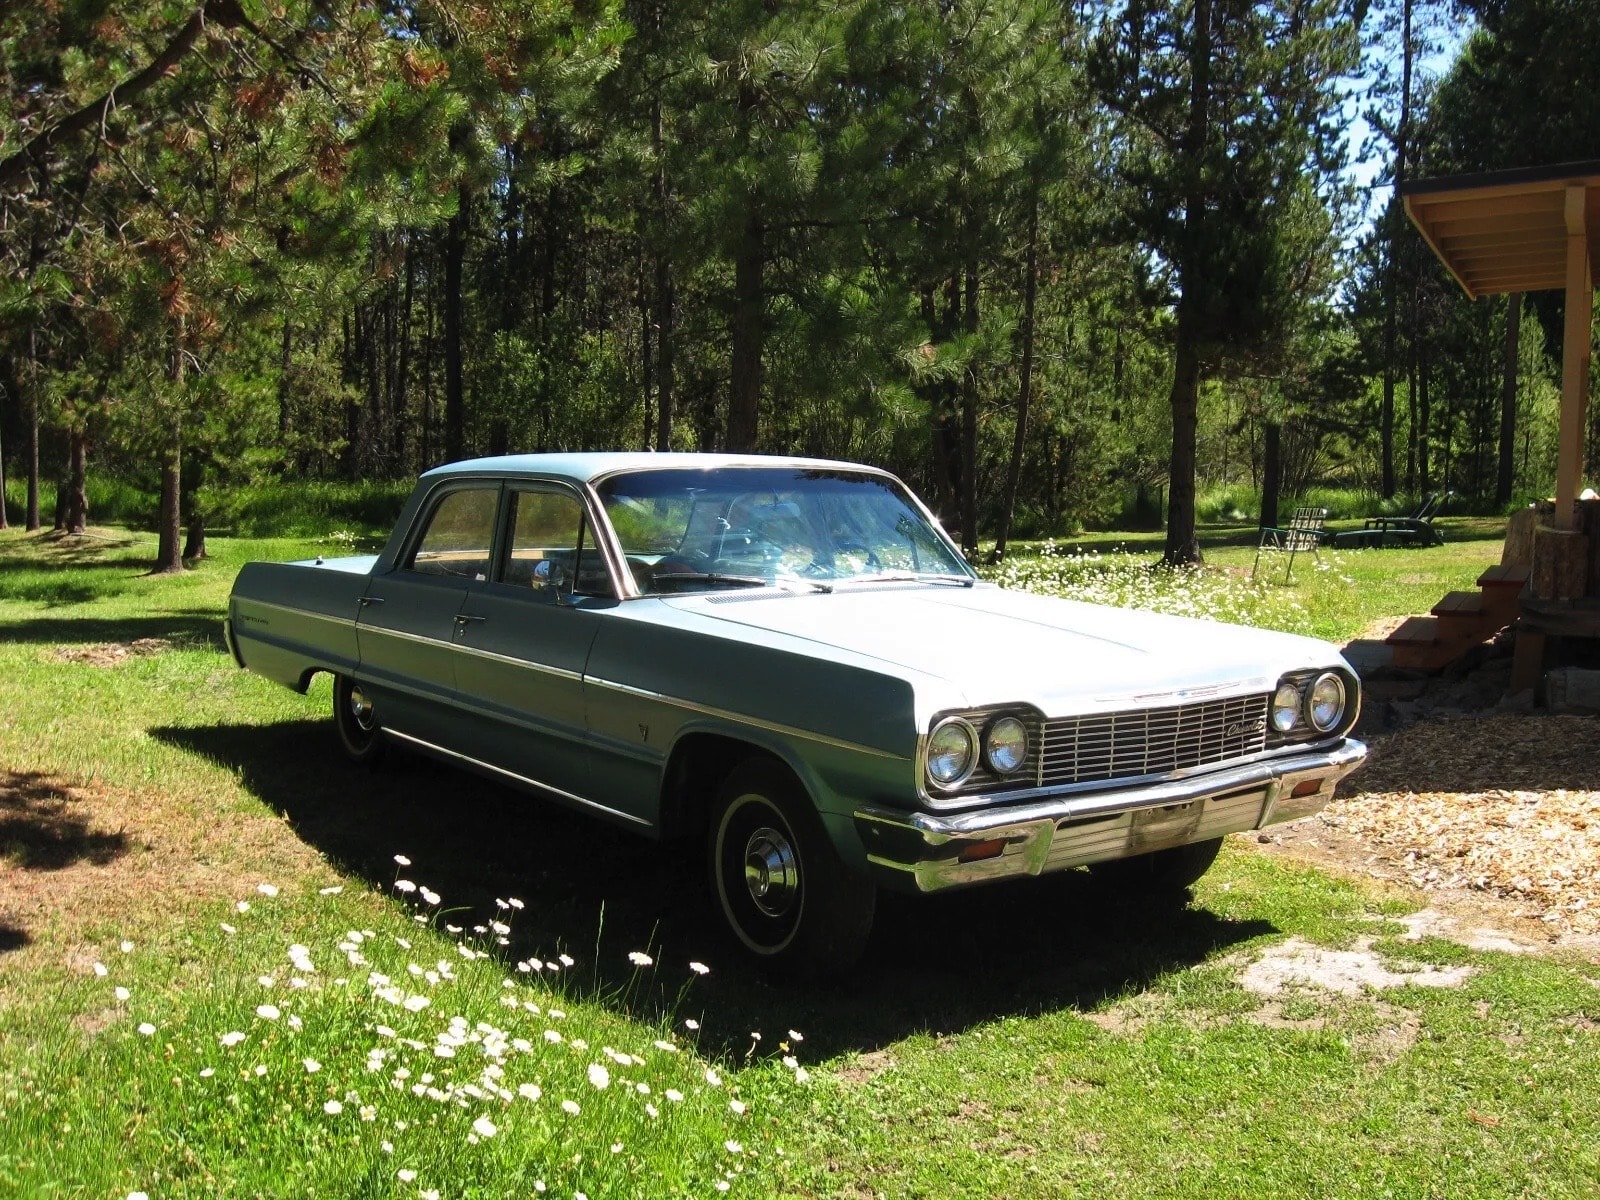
(1057, 263)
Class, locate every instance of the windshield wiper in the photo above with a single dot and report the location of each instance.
(912, 577)
(710, 577)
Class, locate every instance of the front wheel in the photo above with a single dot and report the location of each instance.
(779, 883)
(1160, 872)
(356, 719)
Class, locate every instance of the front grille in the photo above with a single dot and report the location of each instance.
(1152, 741)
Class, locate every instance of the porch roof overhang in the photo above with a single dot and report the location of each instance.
(1526, 230)
(1506, 231)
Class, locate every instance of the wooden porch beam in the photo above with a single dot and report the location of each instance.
(1574, 358)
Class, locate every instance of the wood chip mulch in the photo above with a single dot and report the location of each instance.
(1507, 804)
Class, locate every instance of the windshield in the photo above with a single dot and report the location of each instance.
(728, 527)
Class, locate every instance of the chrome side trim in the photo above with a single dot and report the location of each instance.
(512, 661)
(723, 714)
(366, 627)
(569, 797)
(294, 612)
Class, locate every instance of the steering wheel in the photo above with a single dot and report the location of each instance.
(871, 560)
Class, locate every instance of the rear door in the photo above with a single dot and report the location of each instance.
(408, 626)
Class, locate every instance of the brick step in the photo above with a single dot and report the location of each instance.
(1504, 577)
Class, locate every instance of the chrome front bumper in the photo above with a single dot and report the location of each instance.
(928, 852)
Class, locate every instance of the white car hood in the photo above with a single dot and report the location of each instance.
(994, 646)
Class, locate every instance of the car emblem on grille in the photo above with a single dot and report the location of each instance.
(1245, 728)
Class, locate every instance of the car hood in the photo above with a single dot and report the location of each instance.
(995, 646)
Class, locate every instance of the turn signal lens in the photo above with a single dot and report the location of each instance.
(978, 851)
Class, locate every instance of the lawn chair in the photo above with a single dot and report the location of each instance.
(1306, 530)
(1414, 530)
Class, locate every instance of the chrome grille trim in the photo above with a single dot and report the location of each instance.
(1152, 741)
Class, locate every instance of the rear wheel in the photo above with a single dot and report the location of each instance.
(779, 883)
(356, 719)
(1161, 871)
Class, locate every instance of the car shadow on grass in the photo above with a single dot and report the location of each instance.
(941, 963)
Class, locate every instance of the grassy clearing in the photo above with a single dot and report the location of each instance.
(1334, 594)
(1019, 1041)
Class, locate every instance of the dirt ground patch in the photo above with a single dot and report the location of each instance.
(74, 858)
(110, 654)
(1496, 817)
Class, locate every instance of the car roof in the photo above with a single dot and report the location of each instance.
(587, 467)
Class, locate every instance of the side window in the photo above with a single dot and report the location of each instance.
(459, 534)
(552, 547)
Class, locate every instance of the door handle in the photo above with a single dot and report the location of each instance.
(366, 600)
(464, 618)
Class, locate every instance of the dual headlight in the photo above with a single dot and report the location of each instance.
(1317, 702)
(956, 747)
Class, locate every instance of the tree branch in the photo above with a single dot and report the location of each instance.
(14, 167)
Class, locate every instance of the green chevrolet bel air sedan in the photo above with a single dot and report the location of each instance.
(788, 660)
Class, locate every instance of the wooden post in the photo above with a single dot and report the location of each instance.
(1575, 358)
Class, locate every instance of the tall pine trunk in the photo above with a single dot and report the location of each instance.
(432, 303)
(744, 399)
(455, 402)
(194, 517)
(31, 516)
(169, 553)
(1391, 272)
(285, 358)
(1183, 547)
(402, 375)
(1271, 472)
(969, 422)
(1506, 478)
(664, 318)
(1019, 435)
(1424, 422)
(77, 481)
(664, 298)
(4, 524)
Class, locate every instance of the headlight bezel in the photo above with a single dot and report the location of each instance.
(1326, 677)
(988, 745)
(1287, 699)
(974, 752)
(1304, 729)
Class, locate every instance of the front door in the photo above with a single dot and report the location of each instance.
(525, 640)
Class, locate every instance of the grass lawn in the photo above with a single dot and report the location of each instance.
(217, 979)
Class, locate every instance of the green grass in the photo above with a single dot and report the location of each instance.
(1014, 1041)
(1334, 594)
(270, 509)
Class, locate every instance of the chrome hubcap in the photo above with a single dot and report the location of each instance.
(361, 710)
(771, 871)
